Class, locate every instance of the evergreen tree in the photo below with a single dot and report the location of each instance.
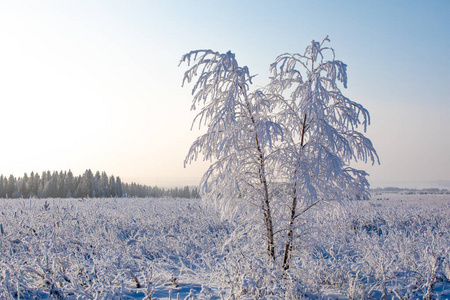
(194, 193)
(97, 189)
(87, 184)
(96, 192)
(22, 189)
(119, 192)
(64, 185)
(104, 185)
(50, 186)
(11, 187)
(70, 184)
(54, 184)
(112, 186)
(24, 186)
(78, 189)
(2, 187)
(186, 193)
(62, 190)
(42, 183)
(34, 184)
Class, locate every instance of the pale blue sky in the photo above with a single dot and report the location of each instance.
(96, 84)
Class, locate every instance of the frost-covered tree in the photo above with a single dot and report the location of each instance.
(238, 136)
(281, 148)
(320, 127)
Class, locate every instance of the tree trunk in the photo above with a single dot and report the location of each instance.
(265, 203)
(266, 206)
(290, 235)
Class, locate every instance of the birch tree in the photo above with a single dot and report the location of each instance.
(239, 132)
(321, 132)
(296, 136)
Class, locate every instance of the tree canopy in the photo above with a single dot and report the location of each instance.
(278, 150)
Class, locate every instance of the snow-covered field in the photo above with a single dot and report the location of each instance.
(393, 245)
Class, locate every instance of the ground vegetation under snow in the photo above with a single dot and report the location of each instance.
(394, 246)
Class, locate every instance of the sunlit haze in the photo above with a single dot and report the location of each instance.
(96, 84)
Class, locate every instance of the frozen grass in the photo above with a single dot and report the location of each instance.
(157, 248)
(106, 247)
(399, 246)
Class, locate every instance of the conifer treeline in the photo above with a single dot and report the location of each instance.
(66, 185)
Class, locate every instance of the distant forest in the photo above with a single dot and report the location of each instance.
(99, 185)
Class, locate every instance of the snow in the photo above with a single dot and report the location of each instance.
(132, 248)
